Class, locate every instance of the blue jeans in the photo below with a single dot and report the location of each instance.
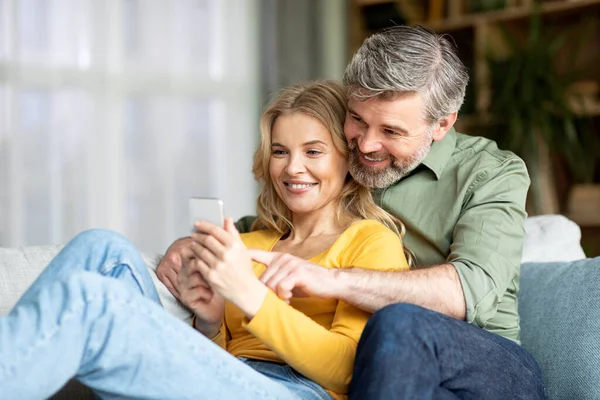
(77, 320)
(409, 352)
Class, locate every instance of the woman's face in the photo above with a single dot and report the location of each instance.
(307, 170)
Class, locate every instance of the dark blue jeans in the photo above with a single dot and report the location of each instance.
(409, 352)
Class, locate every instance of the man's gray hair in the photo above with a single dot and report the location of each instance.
(409, 59)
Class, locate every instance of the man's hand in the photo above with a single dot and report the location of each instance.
(197, 295)
(290, 276)
(170, 265)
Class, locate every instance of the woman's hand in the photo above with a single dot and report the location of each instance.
(196, 294)
(224, 262)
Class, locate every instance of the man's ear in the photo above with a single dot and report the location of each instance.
(443, 126)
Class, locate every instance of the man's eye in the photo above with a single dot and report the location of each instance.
(390, 132)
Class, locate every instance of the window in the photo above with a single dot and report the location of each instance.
(113, 113)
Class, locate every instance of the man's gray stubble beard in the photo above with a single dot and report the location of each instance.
(375, 178)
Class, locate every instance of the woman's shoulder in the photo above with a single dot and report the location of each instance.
(260, 239)
(366, 232)
(366, 228)
(370, 244)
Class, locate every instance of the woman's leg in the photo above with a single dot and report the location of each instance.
(74, 322)
(296, 383)
(101, 251)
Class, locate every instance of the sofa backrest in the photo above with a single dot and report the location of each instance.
(20, 266)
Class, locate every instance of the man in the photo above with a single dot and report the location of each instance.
(450, 328)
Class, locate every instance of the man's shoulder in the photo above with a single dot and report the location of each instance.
(483, 148)
(481, 154)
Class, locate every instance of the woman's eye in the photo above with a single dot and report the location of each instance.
(356, 118)
(313, 152)
(278, 152)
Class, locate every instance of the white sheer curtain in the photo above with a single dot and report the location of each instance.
(114, 112)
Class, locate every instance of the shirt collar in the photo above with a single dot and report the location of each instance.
(440, 153)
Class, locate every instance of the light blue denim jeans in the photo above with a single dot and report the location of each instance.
(94, 314)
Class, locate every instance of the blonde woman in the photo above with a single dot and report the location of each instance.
(309, 206)
(78, 321)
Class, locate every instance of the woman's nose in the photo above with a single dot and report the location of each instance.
(295, 165)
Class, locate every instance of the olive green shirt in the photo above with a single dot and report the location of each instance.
(465, 205)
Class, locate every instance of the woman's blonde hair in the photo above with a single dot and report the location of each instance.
(326, 101)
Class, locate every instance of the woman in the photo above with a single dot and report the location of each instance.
(74, 322)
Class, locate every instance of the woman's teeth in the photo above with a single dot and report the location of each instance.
(300, 186)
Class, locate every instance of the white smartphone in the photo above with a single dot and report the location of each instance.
(206, 209)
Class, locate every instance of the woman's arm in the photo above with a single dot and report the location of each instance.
(326, 356)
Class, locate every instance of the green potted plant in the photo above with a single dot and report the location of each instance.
(532, 111)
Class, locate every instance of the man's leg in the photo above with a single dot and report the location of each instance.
(117, 342)
(409, 352)
(101, 251)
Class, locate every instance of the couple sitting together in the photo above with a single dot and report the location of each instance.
(283, 311)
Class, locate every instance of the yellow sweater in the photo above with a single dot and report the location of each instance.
(316, 337)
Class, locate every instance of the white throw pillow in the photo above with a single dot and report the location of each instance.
(551, 238)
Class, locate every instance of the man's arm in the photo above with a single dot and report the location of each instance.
(484, 259)
(244, 224)
(437, 288)
(487, 242)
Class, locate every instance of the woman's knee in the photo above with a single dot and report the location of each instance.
(90, 285)
(99, 237)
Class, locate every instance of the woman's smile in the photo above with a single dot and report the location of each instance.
(307, 169)
(296, 187)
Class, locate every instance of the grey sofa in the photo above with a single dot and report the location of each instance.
(560, 319)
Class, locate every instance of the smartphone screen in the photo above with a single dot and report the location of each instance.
(206, 209)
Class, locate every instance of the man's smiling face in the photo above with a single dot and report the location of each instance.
(387, 138)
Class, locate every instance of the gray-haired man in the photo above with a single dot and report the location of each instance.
(450, 328)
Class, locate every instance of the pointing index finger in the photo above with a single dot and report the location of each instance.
(261, 256)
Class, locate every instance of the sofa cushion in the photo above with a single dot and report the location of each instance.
(20, 266)
(560, 325)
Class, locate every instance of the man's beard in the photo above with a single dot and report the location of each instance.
(380, 178)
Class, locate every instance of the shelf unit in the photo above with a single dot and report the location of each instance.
(463, 19)
(478, 33)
